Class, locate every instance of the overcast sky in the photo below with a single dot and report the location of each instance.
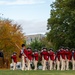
(31, 14)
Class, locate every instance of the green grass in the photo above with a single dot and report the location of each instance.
(38, 72)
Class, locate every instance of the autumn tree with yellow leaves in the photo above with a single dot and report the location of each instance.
(11, 37)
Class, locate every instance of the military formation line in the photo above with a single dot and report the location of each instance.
(48, 58)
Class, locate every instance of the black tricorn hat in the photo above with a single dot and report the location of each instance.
(28, 47)
(67, 48)
(35, 50)
(44, 48)
(61, 47)
(51, 49)
(23, 45)
(73, 49)
(14, 53)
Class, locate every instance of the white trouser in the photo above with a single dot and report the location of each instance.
(14, 65)
(50, 64)
(73, 64)
(62, 64)
(23, 63)
(58, 64)
(44, 65)
(54, 65)
(67, 64)
(28, 64)
(35, 64)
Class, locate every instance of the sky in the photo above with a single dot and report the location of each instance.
(32, 15)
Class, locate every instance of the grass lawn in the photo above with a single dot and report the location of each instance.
(38, 72)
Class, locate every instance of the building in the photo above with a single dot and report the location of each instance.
(31, 38)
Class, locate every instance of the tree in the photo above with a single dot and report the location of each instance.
(36, 45)
(61, 24)
(10, 36)
(39, 44)
(47, 43)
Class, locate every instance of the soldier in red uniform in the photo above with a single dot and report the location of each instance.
(44, 55)
(57, 58)
(29, 56)
(51, 60)
(62, 58)
(14, 60)
(35, 58)
(41, 57)
(23, 56)
(73, 59)
(68, 57)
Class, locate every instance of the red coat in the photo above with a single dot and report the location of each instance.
(58, 55)
(23, 52)
(68, 55)
(73, 55)
(29, 55)
(52, 55)
(45, 55)
(14, 57)
(26, 52)
(62, 53)
(36, 56)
